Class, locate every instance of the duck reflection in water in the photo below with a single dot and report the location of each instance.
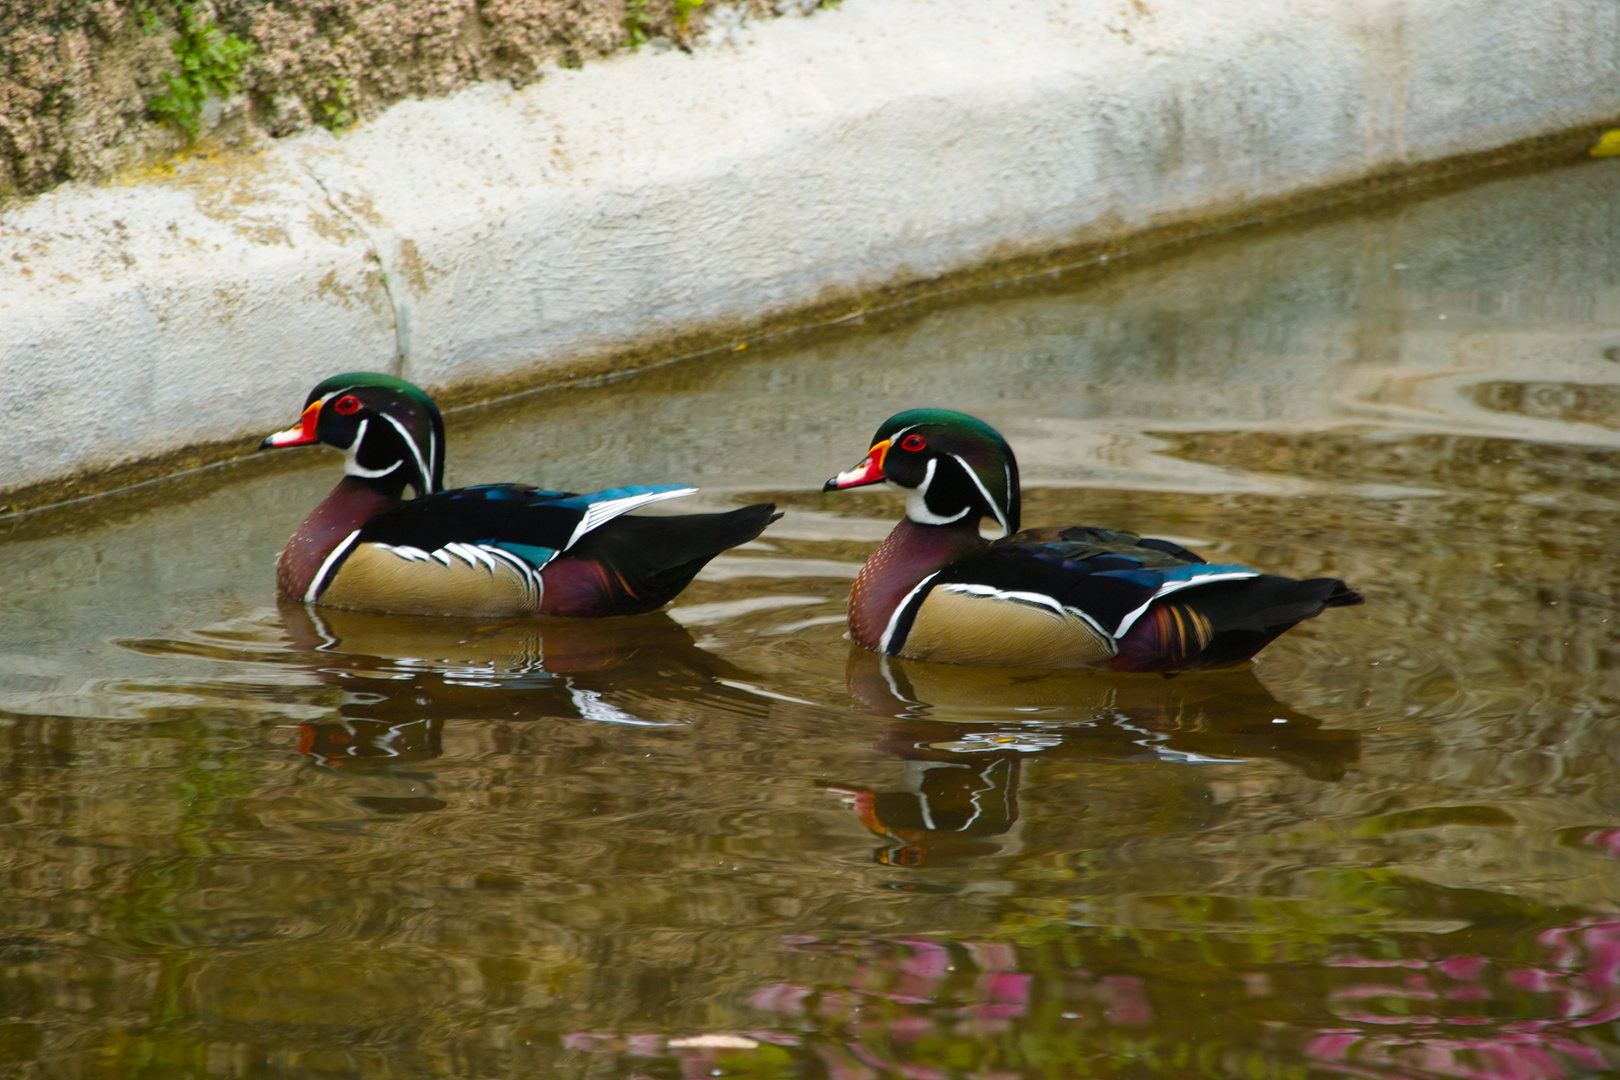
(403, 677)
(964, 734)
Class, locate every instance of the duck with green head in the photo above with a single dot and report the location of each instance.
(1043, 598)
(489, 551)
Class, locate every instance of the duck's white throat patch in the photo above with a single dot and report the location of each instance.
(352, 467)
(917, 501)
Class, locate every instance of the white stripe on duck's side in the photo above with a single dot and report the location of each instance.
(529, 571)
(1039, 599)
(457, 579)
(600, 513)
(318, 582)
(470, 555)
(1176, 586)
(971, 623)
(406, 552)
(894, 620)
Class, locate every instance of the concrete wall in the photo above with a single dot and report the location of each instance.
(494, 233)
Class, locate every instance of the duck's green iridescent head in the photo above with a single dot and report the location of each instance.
(389, 430)
(953, 468)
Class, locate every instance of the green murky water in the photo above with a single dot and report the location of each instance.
(239, 841)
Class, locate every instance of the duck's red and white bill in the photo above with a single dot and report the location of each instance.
(299, 434)
(869, 471)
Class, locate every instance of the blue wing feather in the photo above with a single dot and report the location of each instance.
(535, 556)
(1158, 577)
(612, 494)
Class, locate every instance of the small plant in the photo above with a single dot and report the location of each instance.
(635, 22)
(211, 63)
(337, 108)
(150, 23)
(640, 26)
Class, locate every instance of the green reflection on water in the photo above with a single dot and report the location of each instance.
(238, 838)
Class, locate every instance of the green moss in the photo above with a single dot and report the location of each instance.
(211, 63)
(639, 25)
(337, 108)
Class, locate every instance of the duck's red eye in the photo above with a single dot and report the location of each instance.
(345, 406)
(913, 443)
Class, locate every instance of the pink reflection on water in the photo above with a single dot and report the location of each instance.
(1127, 1001)
(1465, 968)
(1406, 1018)
(780, 998)
(1606, 840)
(970, 989)
(644, 1045)
(993, 955)
(1580, 974)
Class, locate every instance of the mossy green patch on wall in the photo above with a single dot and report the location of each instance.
(641, 23)
(211, 63)
(336, 110)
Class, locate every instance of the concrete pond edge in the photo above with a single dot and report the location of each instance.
(654, 207)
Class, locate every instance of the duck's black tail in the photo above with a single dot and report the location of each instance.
(1248, 615)
(648, 560)
(1224, 624)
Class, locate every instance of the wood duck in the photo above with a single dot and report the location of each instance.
(1043, 598)
(496, 550)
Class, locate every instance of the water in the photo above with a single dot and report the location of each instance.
(240, 840)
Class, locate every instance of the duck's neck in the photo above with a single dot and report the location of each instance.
(910, 553)
(350, 505)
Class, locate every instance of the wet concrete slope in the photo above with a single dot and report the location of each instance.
(498, 236)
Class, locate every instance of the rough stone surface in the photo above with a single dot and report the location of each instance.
(502, 231)
(143, 319)
(78, 78)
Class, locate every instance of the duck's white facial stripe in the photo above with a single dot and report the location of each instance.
(917, 501)
(352, 467)
(995, 507)
(416, 452)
